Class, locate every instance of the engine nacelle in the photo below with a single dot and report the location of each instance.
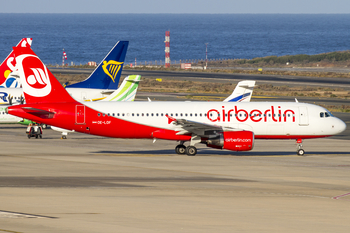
(233, 140)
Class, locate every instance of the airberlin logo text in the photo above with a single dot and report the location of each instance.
(237, 140)
(255, 115)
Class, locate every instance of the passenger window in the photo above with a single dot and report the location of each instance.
(112, 114)
(98, 114)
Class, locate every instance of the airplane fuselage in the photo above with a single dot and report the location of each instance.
(268, 120)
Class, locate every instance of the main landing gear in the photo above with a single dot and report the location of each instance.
(190, 150)
(300, 151)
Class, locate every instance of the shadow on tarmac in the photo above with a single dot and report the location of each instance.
(202, 152)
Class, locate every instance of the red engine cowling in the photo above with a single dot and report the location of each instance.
(233, 140)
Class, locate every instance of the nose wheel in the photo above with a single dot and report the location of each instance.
(300, 151)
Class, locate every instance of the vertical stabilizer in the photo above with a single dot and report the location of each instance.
(9, 65)
(127, 90)
(107, 74)
(38, 83)
(242, 93)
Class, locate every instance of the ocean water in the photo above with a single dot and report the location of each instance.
(88, 37)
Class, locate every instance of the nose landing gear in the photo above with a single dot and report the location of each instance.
(300, 151)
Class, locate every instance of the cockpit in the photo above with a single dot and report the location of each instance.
(325, 114)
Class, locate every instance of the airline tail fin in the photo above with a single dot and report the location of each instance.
(107, 74)
(127, 90)
(39, 84)
(242, 93)
(9, 65)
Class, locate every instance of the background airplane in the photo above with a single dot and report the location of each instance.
(8, 66)
(221, 125)
(103, 81)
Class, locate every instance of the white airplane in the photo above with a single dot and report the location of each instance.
(222, 125)
(103, 81)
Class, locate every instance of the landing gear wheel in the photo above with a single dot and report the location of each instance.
(191, 151)
(300, 152)
(64, 137)
(180, 149)
(40, 136)
(28, 136)
(36, 136)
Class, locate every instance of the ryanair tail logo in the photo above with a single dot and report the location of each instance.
(111, 68)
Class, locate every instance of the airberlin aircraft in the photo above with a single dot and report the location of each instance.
(8, 66)
(223, 125)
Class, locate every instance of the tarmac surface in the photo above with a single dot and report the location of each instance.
(93, 184)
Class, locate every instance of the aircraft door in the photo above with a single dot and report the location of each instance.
(79, 114)
(303, 116)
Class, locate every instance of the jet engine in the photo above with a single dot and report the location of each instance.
(233, 140)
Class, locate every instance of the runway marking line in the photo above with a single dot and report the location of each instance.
(340, 196)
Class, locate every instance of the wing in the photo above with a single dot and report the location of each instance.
(184, 126)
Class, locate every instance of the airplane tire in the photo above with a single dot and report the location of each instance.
(180, 149)
(28, 136)
(64, 137)
(191, 151)
(300, 152)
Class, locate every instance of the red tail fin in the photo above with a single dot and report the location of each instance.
(8, 65)
(39, 84)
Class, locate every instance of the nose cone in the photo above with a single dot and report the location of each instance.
(339, 126)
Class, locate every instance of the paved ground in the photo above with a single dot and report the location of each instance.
(93, 184)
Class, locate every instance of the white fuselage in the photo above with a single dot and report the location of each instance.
(280, 119)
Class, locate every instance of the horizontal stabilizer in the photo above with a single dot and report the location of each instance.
(39, 112)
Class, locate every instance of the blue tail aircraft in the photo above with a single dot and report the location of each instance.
(107, 74)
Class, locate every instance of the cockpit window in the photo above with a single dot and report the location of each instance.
(327, 114)
(321, 114)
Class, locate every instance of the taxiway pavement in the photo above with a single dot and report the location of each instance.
(93, 184)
